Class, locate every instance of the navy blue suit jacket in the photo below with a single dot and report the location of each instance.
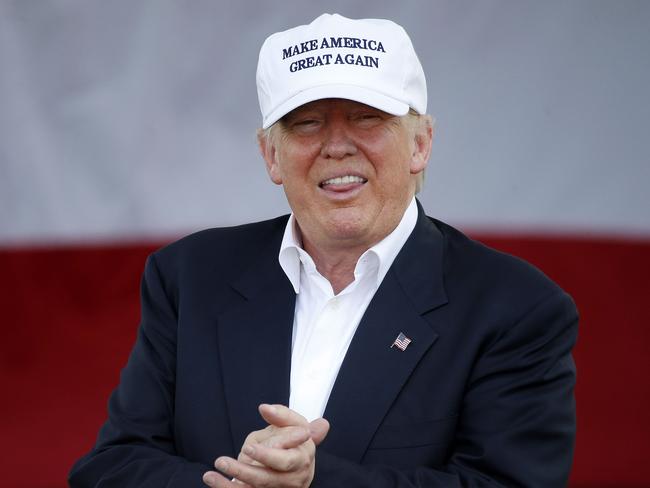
(483, 395)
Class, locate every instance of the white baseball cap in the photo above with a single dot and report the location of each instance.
(371, 61)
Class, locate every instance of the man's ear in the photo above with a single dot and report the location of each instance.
(422, 140)
(267, 149)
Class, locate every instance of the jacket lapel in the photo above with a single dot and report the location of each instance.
(373, 373)
(255, 343)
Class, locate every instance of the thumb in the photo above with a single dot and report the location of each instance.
(318, 429)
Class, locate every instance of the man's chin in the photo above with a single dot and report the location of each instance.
(350, 228)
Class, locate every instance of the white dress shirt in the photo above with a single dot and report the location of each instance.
(324, 323)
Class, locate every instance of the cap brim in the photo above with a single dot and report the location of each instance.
(348, 92)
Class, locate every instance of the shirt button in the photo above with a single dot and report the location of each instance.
(334, 303)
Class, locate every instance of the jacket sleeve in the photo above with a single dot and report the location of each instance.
(517, 423)
(135, 447)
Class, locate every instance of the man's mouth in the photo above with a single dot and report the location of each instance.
(343, 181)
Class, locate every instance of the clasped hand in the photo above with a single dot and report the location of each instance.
(280, 456)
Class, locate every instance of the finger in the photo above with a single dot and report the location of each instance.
(216, 480)
(287, 438)
(243, 458)
(281, 416)
(284, 460)
(246, 473)
(318, 429)
(291, 439)
(280, 437)
(260, 435)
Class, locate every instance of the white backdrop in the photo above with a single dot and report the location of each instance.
(135, 119)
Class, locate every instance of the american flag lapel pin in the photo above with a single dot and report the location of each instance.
(401, 342)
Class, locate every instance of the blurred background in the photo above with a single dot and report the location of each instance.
(127, 124)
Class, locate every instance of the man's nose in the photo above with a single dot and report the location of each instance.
(338, 144)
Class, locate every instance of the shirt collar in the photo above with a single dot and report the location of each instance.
(385, 251)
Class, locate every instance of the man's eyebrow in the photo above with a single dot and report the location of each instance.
(290, 117)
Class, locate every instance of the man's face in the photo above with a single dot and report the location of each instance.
(349, 170)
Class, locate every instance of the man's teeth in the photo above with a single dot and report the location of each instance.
(343, 180)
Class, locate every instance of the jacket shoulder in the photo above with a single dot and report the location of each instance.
(490, 275)
(223, 241)
(223, 251)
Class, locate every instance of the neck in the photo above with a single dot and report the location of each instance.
(337, 266)
(336, 260)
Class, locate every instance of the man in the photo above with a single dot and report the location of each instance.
(436, 361)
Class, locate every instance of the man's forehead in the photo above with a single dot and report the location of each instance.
(327, 104)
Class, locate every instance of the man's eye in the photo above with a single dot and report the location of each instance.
(368, 119)
(306, 125)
